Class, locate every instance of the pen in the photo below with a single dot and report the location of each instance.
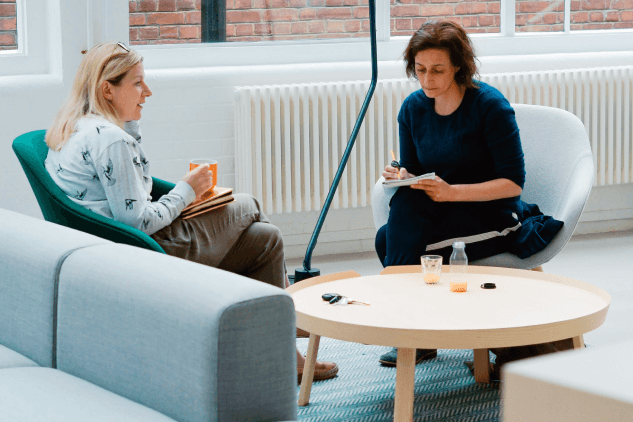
(395, 163)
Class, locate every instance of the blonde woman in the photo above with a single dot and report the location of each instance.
(96, 157)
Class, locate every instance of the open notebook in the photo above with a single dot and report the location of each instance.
(407, 182)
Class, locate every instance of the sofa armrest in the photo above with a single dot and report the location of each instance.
(192, 342)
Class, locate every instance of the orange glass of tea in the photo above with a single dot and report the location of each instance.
(213, 168)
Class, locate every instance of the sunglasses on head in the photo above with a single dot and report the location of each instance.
(119, 44)
(123, 46)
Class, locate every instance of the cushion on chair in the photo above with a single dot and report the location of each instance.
(12, 359)
(193, 342)
(27, 285)
(44, 394)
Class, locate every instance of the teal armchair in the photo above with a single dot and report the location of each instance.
(31, 151)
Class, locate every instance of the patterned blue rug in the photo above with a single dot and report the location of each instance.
(364, 390)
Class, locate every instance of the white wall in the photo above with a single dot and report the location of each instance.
(191, 115)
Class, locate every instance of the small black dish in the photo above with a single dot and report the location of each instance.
(489, 286)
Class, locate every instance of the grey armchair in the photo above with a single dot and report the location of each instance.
(559, 176)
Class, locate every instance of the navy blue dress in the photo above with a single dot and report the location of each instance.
(478, 142)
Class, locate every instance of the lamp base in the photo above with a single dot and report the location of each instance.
(302, 274)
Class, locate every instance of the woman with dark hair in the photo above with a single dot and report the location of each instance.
(465, 131)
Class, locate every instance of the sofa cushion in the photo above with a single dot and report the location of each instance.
(12, 359)
(45, 394)
(193, 342)
(31, 253)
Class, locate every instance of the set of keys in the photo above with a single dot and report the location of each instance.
(337, 299)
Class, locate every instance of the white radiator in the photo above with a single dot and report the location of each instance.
(290, 138)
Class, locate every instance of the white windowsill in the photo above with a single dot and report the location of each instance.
(352, 50)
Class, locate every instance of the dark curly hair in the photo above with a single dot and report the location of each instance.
(450, 37)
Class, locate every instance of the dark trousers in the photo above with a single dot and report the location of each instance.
(416, 221)
(510, 354)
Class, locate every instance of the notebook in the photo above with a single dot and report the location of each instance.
(407, 182)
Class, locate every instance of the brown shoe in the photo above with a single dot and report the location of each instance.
(302, 333)
(390, 358)
(322, 371)
(495, 373)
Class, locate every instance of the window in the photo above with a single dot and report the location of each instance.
(164, 22)
(474, 16)
(25, 52)
(182, 21)
(601, 14)
(272, 32)
(539, 16)
(8, 25)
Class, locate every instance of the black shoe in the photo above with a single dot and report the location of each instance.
(494, 370)
(389, 358)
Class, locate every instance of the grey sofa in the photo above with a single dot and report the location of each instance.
(92, 331)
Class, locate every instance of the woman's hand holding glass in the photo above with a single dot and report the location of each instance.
(200, 179)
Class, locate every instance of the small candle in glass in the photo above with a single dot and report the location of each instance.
(431, 268)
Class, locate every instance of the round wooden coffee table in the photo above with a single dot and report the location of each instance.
(526, 307)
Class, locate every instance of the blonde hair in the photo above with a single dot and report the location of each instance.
(104, 62)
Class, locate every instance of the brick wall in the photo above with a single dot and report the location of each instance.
(8, 28)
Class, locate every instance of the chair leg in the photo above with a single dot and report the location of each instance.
(539, 268)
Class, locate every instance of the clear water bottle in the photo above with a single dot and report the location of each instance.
(459, 264)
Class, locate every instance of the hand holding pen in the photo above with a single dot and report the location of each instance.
(394, 170)
(395, 163)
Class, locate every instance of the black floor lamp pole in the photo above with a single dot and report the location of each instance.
(306, 271)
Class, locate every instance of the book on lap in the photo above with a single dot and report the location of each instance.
(216, 198)
(408, 182)
(229, 199)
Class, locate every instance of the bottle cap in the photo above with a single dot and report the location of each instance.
(460, 245)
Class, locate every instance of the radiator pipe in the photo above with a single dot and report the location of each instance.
(307, 271)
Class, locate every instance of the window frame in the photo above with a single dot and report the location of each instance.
(505, 43)
(33, 52)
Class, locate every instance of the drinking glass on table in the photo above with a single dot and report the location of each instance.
(431, 268)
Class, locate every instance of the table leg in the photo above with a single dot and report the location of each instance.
(308, 370)
(579, 342)
(482, 365)
(405, 379)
